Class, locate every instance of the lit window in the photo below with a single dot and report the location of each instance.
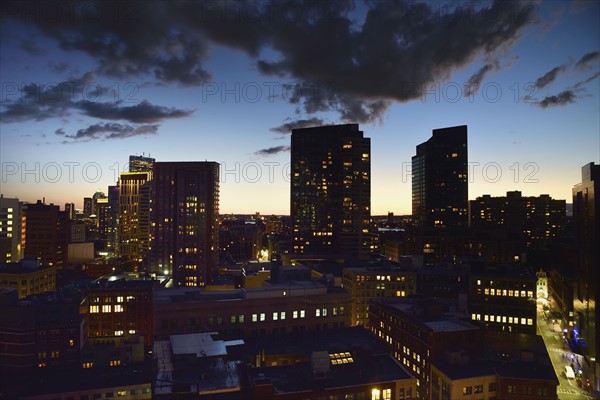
(118, 308)
(118, 333)
(254, 317)
(295, 314)
(275, 316)
(119, 299)
(106, 308)
(263, 316)
(282, 316)
(302, 314)
(94, 309)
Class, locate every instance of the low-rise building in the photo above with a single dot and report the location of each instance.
(28, 276)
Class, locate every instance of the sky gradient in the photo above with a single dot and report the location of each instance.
(84, 85)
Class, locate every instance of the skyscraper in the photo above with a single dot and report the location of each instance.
(440, 180)
(133, 215)
(330, 191)
(185, 212)
(586, 218)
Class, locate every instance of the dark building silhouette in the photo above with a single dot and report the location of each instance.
(112, 221)
(536, 221)
(46, 234)
(440, 180)
(330, 191)
(87, 206)
(586, 218)
(185, 212)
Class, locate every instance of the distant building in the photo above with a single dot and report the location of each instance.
(77, 232)
(70, 210)
(185, 213)
(440, 180)
(112, 220)
(87, 206)
(10, 230)
(536, 221)
(141, 164)
(379, 280)
(28, 277)
(330, 192)
(586, 216)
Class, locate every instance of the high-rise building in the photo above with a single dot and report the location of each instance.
(46, 233)
(133, 215)
(112, 219)
(586, 218)
(141, 164)
(70, 210)
(440, 180)
(10, 230)
(330, 191)
(185, 212)
(87, 206)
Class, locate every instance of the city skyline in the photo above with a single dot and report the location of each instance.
(75, 107)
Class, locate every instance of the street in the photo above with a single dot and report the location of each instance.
(559, 355)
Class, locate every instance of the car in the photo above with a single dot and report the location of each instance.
(569, 373)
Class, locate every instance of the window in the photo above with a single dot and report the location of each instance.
(254, 317)
(263, 316)
(241, 318)
(492, 387)
(387, 394)
(512, 389)
(467, 390)
(94, 309)
(233, 319)
(318, 312)
(282, 315)
(478, 389)
(302, 313)
(118, 308)
(295, 314)
(275, 316)
(119, 299)
(106, 308)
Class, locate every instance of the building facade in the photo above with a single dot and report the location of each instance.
(330, 192)
(46, 234)
(440, 180)
(10, 230)
(586, 217)
(185, 213)
(133, 215)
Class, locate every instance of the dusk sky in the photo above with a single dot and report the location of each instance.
(85, 85)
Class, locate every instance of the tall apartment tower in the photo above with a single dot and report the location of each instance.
(330, 191)
(185, 212)
(133, 216)
(10, 230)
(586, 219)
(46, 233)
(440, 180)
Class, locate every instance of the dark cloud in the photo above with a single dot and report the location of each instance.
(60, 131)
(399, 49)
(60, 67)
(40, 102)
(586, 59)
(287, 127)
(549, 76)
(30, 46)
(111, 130)
(272, 150)
(564, 97)
(591, 78)
(475, 80)
(143, 112)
